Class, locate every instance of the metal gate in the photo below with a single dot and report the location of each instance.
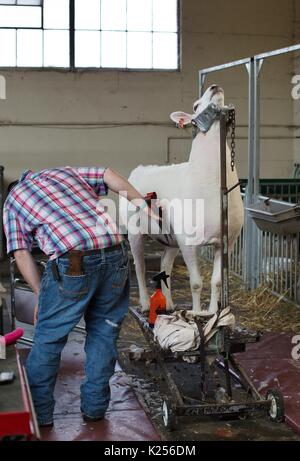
(278, 258)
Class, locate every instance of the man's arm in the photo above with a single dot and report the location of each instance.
(119, 184)
(28, 269)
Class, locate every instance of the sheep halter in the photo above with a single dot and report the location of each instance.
(204, 121)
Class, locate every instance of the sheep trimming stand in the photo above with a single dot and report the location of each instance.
(223, 345)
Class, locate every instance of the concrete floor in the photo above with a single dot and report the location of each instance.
(125, 419)
(150, 389)
(144, 380)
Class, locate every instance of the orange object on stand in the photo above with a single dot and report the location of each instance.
(158, 300)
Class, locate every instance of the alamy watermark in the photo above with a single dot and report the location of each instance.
(296, 348)
(296, 88)
(183, 218)
(2, 87)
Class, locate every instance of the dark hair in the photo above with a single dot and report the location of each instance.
(11, 186)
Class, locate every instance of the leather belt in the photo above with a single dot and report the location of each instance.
(75, 258)
(96, 251)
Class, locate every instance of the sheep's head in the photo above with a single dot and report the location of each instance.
(214, 94)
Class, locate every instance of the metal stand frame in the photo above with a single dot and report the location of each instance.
(253, 65)
(207, 404)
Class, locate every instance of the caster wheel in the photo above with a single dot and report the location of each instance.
(276, 411)
(242, 416)
(169, 418)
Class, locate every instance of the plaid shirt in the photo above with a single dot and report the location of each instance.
(61, 210)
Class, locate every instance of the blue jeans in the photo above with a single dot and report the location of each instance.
(102, 296)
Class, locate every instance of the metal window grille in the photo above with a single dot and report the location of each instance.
(38, 42)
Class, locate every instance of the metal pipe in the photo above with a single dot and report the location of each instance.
(252, 233)
(25, 341)
(296, 273)
(244, 377)
(240, 62)
(110, 125)
(246, 61)
(224, 211)
(257, 136)
(72, 32)
(202, 77)
(270, 54)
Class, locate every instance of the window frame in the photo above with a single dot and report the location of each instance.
(71, 67)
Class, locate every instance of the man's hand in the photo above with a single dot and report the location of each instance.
(151, 210)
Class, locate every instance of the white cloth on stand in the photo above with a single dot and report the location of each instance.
(175, 333)
(178, 332)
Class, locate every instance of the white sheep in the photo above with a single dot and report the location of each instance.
(199, 178)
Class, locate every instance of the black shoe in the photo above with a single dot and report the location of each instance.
(50, 424)
(91, 419)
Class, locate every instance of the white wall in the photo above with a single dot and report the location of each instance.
(139, 103)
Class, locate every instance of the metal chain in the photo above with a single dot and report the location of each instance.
(232, 145)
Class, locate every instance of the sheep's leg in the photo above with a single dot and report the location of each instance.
(216, 279)
(167, 261)
(137, 249)
(215, 283)
(189, 254)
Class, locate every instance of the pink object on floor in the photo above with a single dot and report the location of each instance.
(12, 338)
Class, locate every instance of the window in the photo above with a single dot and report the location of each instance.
(124, 34)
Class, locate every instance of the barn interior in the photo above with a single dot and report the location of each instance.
(93, 84)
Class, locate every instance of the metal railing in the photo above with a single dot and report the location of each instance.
(287, 190)
(279, 262)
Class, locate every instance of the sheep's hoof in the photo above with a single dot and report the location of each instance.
(144, 309)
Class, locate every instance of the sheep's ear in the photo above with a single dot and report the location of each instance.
(178, 116)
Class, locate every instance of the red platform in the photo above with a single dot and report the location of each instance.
(269, 364)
